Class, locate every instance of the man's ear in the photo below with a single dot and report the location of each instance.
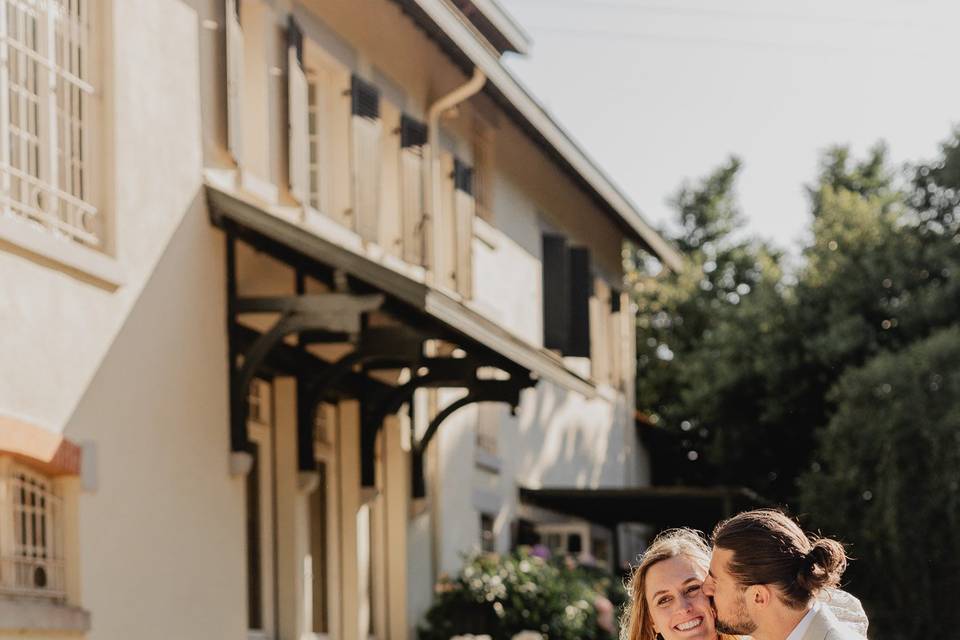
(759, 595)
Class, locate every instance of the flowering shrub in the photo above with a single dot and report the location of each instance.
(501, 596)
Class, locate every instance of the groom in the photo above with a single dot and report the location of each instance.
(764, 577)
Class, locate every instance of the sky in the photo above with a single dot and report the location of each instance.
(662, 91)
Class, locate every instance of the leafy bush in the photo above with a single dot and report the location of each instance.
(501, 596)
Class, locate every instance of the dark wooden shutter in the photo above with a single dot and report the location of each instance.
(581, 288)
(413, 133)
(365, 99)
(462, 176)
(295, 39)
(556, 293)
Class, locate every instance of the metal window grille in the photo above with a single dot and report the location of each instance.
(31, 535)
(45, 117)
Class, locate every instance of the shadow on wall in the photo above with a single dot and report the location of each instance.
(566, 440)
(156, 412)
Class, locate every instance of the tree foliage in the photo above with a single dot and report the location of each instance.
(767, 370)
(887, 480)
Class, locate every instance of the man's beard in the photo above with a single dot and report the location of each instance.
(741, 625)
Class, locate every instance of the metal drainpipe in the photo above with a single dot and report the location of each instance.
(434, 179)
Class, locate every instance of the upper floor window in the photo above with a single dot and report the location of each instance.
(31, 545)
(46, 117)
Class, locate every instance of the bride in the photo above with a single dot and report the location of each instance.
(666, 600)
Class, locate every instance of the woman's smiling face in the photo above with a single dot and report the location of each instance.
(678, 608)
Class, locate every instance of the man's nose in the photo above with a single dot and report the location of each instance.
(708, 587)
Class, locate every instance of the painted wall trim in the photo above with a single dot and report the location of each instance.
(47, 452)
(29, 615)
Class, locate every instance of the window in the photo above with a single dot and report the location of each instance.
(488, 427)
(555, 542)
(600, 550)
(487, 539)
(259, 516)
(322, 595)
(464, 210)
(31, 545)
(46, 117)
(319, 557)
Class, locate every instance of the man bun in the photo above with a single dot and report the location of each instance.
(770, 548)
(823, 565)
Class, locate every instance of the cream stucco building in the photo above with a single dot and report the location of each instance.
(295, 297)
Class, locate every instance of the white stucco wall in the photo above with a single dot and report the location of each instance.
(139, 371)
(161, 537)
(56, 326)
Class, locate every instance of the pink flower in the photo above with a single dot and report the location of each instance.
(604, 613)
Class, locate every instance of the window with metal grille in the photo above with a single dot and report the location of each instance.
(31, 536)
(46, 115)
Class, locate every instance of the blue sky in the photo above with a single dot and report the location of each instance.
(659, 91)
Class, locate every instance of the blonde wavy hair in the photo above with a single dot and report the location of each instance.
(635, 623)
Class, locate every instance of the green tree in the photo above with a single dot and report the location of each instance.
(887, 480)
(679, 311)
(738, 359)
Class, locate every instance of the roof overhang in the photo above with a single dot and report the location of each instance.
(228, 207)
(664, 507)
(454, 33)
(495, 24)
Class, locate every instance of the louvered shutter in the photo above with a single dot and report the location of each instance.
(465, 208)
(413, 136)
(600, 330)
(366, 129)
(617, 347)
(298, 114)
(234, 38)
(556, 293)
(581, 288)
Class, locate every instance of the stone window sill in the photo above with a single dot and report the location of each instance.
(78, 260)
(33, 614)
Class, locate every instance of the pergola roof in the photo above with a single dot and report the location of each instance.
(663, 507)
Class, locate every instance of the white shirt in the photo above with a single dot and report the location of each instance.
(804, 623)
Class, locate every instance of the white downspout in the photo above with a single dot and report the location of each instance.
(434, 179)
